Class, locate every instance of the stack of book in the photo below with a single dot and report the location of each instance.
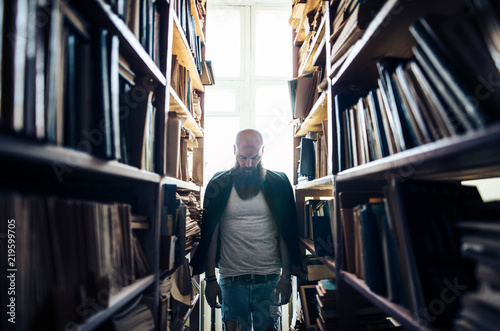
(193, 220)
(326, 298)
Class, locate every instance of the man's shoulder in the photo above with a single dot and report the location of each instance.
(220, 176)
(277, 176)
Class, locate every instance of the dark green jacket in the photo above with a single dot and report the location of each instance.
(281, 201)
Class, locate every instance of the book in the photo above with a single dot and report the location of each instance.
(14, 64)
(430, 103)
(301, 94)
(445, 64)
(402, 126)
(342, 103)
(322, 236)
(432, 252)
(307, 167)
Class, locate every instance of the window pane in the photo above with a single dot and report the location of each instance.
(273, 40)
(220, 133)
(272, 100)
(220, 101)
(278, 150)
(224, 52)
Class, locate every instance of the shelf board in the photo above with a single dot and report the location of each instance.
(309, 245)
(181, 185)
(318, 113)
(401, 314)
(308, 65)
(386, 36)
(72, 161)
(180, 47)
(140, 61)
(116, 302)
(323, 183)
(139, 225)
(178, 106)
(471, 156)
(198, 23)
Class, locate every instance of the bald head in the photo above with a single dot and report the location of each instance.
(248, 147)
(249, 137)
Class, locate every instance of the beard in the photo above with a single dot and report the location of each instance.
(247, 182)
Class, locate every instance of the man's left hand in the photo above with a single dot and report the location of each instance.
(283, 291)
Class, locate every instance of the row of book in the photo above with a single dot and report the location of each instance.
(182, 83)
(444, 90)
(75, 90)
(404, 241)
(317, 226)
(186, 12)
(142, 18)
(68, 257)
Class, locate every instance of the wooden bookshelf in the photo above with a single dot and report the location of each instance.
(180, 47)
(98, 12)
(313, 121)
(74, 162)
(309, 245)
(392, 31)
(198, 23)
(181, 185)
(82, 136)
(323, 183)
(319, 40)
(386, 36)
(471, 156)
(401, 314)
(178, 106)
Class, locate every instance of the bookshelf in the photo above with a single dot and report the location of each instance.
(84, 150)
(369, 185)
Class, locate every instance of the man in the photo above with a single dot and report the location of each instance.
(249, 231)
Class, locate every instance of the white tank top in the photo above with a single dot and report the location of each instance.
(249, 236)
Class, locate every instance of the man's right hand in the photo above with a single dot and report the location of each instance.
(213, 294)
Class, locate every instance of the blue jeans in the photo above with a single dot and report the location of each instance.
(251, 303)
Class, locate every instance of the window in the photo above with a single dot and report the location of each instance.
(249, 45)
